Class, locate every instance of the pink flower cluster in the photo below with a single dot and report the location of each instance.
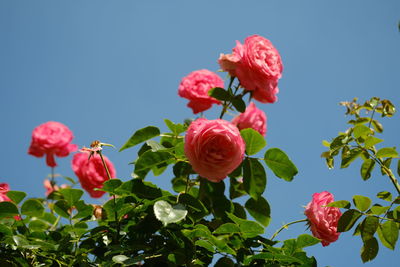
(214, 148)
(258, 66)
(323, 220)
(51, 139)
(195, 87)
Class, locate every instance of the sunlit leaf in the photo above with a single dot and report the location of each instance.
(366, 168)
(388, 233)
(340, 204)
(32, 207)
(166, 213)
(140, 136)
(16, 196)
(280, 164)
(385, 195)
(387, 152)
(361, 202)
(306, 240)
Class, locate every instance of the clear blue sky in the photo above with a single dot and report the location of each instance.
(108, 68)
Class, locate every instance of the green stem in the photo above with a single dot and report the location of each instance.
(226, 104)
(286, 226)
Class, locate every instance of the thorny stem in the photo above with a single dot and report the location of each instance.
(286, 226)
(115, 204)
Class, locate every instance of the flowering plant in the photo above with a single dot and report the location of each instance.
(198, 224)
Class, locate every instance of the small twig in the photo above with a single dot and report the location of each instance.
(286, 226)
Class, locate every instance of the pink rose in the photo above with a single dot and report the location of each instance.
(91, 173)
(323, 220)
(214, 148)
(195, 87)
(258, 66)
(50, 189)
(4, 188)
(252, 118)
(51, 139)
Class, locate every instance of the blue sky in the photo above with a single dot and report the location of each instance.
(108, 68)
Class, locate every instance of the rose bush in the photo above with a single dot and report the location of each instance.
(258, 66)
(252, 118)
(51, 139)
(214, 148)
(195, 87)
(91, 172)
(323, 220)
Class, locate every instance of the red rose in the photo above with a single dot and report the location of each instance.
(323, 220)
(51, 139)
(195, 87)
(91, 172)
(258, 66)
(214, 148)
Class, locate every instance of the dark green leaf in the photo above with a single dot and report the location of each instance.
(337, 142)
(219, 93)
(340, 204)
(196, 209)
(205, 244)
(347, 220)
(239, 104)
(280, 164)
(259, 209)
(149, 160)
(366, 168)
(388, 234)
(368, 227)
(71, 195)
(61, 207)
(249, 229)
(377, 126)
(369, 250)
(385, 195)
(254, 141)
(111, 185)
(362, 203)
(32, 207)
(254, 177)
(306, 240)
(236, 188)
(272, 257)
(16, 196)
(224, 262)
(5, 230)
(349, 156)
(84, 210)
(386, 166)
(140, 136)
(227, 228)
(8, 209)
(387, 152)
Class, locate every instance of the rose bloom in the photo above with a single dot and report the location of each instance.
(91, 172)
(51, 139)
(323, 220)
(195, 87)
(4, 188)
(214, 148)
(252, 118)
(50, 189)
(258, 66)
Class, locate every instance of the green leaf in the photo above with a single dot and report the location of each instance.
(71, 195)
(398, 167)
(33, 208)
(280, 164)
(120, 259)
(61, 207)
(219, 93)
(16, 196)
(362, 203)
(149, 160)
(254, 141)
(378, 210)
(254, 177)
(387, 152)
(175, 128)
(377, 126)
(205, 244)
(84, 210)
(361, 131)
(272, 257)
(369, 250)
(366, 168)
(259, 209)
(111, 185)
(155, 146)
(239, 104)
(349, 157)
(368, 227)
(347, 220)
(169, 214)
(5, 230)
(224, 262)
(140, 136)
(8, 209)
(195, 208)
(306, 240)
(385, 195)
(388, 233)
(249, 229)
(371, 141)
(340, 204)
(227, 228)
